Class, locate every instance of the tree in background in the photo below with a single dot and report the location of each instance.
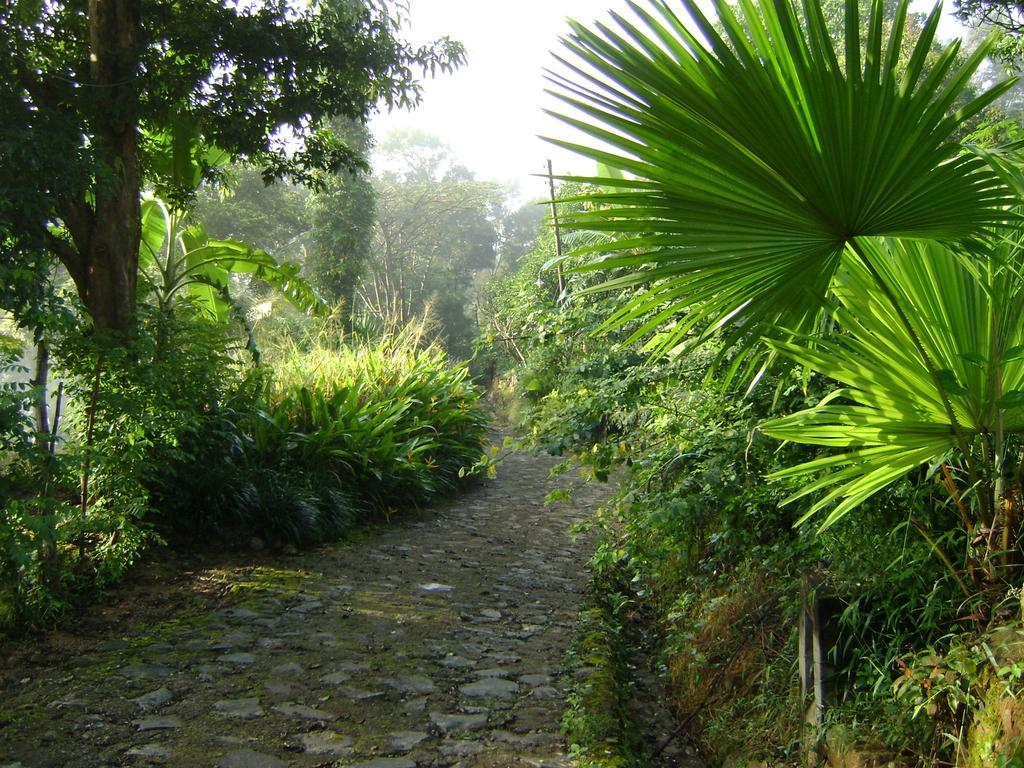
(436, 230)
(519, 230)
(243, 207)
(84, 86)
(341, 217)
(1004, 15)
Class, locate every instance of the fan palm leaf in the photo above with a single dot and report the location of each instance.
(756, 152)
(890, 416)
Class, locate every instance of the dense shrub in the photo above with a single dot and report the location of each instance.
(324, 437)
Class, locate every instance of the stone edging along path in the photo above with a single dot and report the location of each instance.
(437, 641)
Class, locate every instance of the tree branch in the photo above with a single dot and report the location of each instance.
(68, 255)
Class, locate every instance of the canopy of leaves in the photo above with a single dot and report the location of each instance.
(240, 72)
(255, 80)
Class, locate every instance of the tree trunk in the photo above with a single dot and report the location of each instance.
(40, 381)
(107, 242)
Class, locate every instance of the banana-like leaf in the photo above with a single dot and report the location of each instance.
(156, 228)
(890, 416)
(755, 154)
(179, 260)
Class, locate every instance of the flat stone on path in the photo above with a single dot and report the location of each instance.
(241, 614)
(461, 748)
(386, 762)
(492, 672)
(326, 743)
(435, 587)
(141, 671)
(545, 692)
(457, 662)
(490, 688)
(458, 722)
(336, 678)
(302, 712)
(157, 723)
(148, 702)
(535, 680)
(246, 709)
(416, 684)
(248, 758)
(242, 659)
(152, 751)
(358, 694)
(404, 741)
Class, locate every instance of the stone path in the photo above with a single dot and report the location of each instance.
(437, 641)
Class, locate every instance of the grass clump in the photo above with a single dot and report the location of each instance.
(596, 722)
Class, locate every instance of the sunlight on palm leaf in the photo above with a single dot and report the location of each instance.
(757, 155)
(890, 417)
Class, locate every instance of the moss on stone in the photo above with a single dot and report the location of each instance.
(996, 737)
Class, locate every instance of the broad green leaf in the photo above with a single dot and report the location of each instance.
(1014, 399)
(191, 263)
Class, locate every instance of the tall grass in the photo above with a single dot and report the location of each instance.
(323, 435)
(393, 420)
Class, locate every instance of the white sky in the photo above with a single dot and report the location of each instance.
(489, 111)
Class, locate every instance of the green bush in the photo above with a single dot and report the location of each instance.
(397, 422)
(322, 438)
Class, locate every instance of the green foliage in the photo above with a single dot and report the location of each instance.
(435, 230)
(74, 516)
(754, 159)
(341, 218)
(760, 181)
(892, 413)
(397, 421)
(179, 261)
(697, 524)
(326, 437)
(79, 87)
(1004, 15)
(241, 207)
(596, 722)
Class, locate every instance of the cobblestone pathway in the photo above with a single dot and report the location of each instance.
(437, 641)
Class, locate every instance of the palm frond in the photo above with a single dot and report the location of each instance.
(890, 417)
(756, 152)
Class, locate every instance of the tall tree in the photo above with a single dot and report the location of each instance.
(93, 90)
(436, 228)
(341, 217)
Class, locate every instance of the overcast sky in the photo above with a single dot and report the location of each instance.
(490, 111)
